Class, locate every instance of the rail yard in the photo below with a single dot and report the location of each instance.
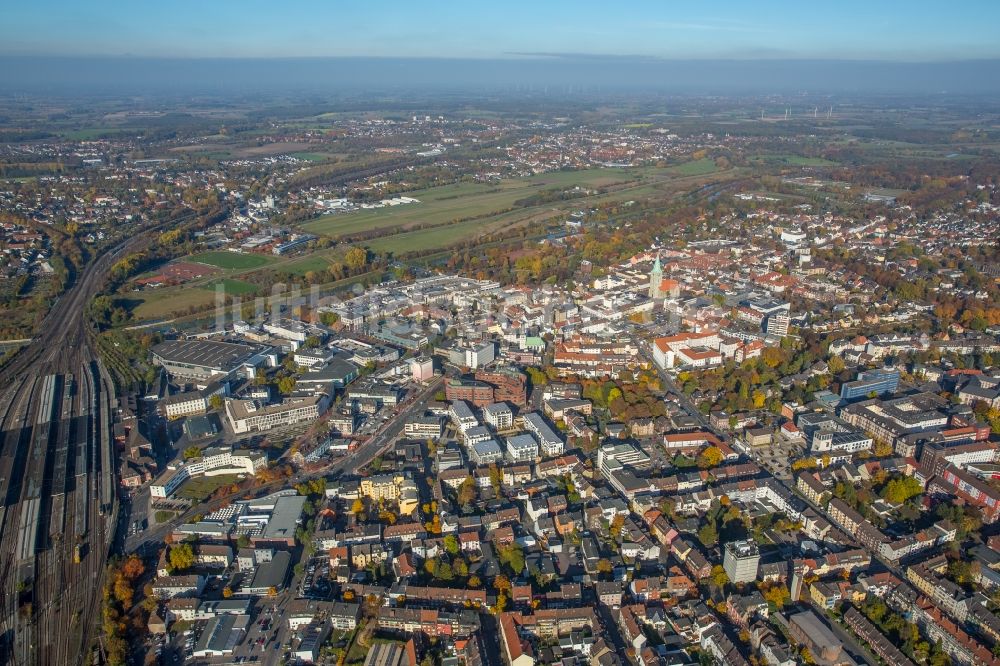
(57, 486)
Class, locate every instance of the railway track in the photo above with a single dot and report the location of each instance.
(58, 477)
(17, 428)
(56, 444)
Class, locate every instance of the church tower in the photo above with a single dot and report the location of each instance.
(655, 279)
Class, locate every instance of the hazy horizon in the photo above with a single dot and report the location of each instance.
(562, 73)
(917, 30)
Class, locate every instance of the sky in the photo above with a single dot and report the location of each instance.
(892, 30)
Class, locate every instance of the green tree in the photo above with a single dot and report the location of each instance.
(536, 377)
(443, 571)
(181, 557)
(718, 576)
(710, 457)
(496, 476)
(897, 491)
(286, 385)
(451, 545)
(513, 556)
(467, 491)
(708, 534)
(835, 365)
(356, 258)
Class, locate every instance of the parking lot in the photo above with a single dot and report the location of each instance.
(315, 579)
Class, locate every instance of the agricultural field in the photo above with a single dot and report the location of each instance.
(230, 260)
(94, 133)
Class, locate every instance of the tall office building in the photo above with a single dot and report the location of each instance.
(741, 560)
(871, 381)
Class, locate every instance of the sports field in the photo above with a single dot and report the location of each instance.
(231, 260)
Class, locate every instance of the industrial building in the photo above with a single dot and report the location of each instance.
(204, 360)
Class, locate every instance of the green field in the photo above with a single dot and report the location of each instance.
(310, 157)
(439, 205)
(164, 516)
(162, 303)
(230, 260)
(700, 167)
(93, 133)
(490, 206)
(167, 302)
(797, 160)
(429, 239)
(231, 287)
(314, 262)
(200, 488)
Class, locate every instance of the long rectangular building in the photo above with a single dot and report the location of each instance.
(206, 359)
(247, 416)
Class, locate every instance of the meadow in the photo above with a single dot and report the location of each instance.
(447, 203)
(231, 287)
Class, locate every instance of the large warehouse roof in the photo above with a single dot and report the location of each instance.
(222, 356)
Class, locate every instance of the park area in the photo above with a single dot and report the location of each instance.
(200, 488)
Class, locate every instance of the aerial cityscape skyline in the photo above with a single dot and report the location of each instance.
(511, 334)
